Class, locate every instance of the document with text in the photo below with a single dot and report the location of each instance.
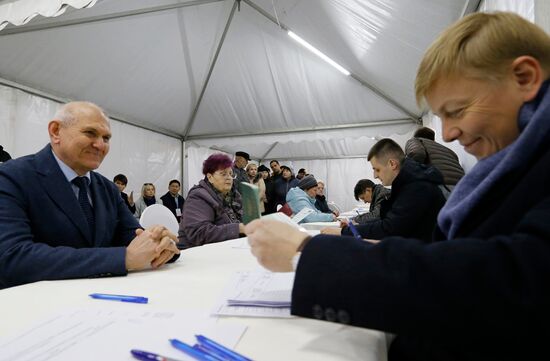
(110, 334)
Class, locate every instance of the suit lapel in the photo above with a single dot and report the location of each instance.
(60, 191)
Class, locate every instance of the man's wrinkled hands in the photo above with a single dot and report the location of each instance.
(274, 243)
(152, 247)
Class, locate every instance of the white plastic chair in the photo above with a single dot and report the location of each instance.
(159, 214)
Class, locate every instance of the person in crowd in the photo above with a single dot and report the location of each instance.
(147, 199)
(424, 149)
(480, 292)
(301, 173)
(374, 195)
(239, 168)
(275, 168)
(4, 156)
(415, 200)
(271, 205)
(264, 172)
(321, 200)
(121, 181)
(283, 184)
(59, 219)
(213, 210)
(303, 196)
(257, 179)
(173, 200)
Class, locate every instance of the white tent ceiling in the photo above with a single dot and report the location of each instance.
(225, 74)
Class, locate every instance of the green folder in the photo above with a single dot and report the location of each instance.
(251, 202)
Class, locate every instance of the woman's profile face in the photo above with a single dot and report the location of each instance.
(480, 114)
(222, 179)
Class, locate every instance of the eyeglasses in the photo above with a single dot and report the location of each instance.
(226, 175)
(147, 184)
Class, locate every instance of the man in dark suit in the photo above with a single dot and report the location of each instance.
(60, 220)
(172, 199)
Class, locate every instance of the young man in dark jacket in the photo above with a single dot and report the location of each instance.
(371, 193)
(415, 201)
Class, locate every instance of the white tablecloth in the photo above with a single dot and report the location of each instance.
(195, 282)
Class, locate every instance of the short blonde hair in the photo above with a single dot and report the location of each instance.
(145, 185)
(481, 45)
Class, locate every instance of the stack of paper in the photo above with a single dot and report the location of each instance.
(268, 290)
(258, 294)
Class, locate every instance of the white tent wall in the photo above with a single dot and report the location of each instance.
(142, 155)
(525, 8)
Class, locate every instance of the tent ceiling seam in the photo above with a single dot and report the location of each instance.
(471, 6)
(308, 129)
(193, 116)
(93, 19)
(268, 151)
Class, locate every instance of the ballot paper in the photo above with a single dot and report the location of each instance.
(257, 294)
(300, 216)
(110, 333)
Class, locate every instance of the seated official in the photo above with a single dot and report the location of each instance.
(371, 193)
(213, 210)
(303, 196)
(415, 200)
(60, 220)
(480, 291)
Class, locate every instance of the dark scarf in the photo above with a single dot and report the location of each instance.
(149, 201)
(534, 127)
(231, 207)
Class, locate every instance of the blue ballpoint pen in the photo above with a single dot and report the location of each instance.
(149, 356)
(220, 350)
(209, 352)
(353, 229)
(193, 352)
(121, 298)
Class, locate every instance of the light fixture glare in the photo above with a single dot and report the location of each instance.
(317, 52)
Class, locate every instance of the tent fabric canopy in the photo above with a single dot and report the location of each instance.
(163, 65)
(19, 12)
(223, 75)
